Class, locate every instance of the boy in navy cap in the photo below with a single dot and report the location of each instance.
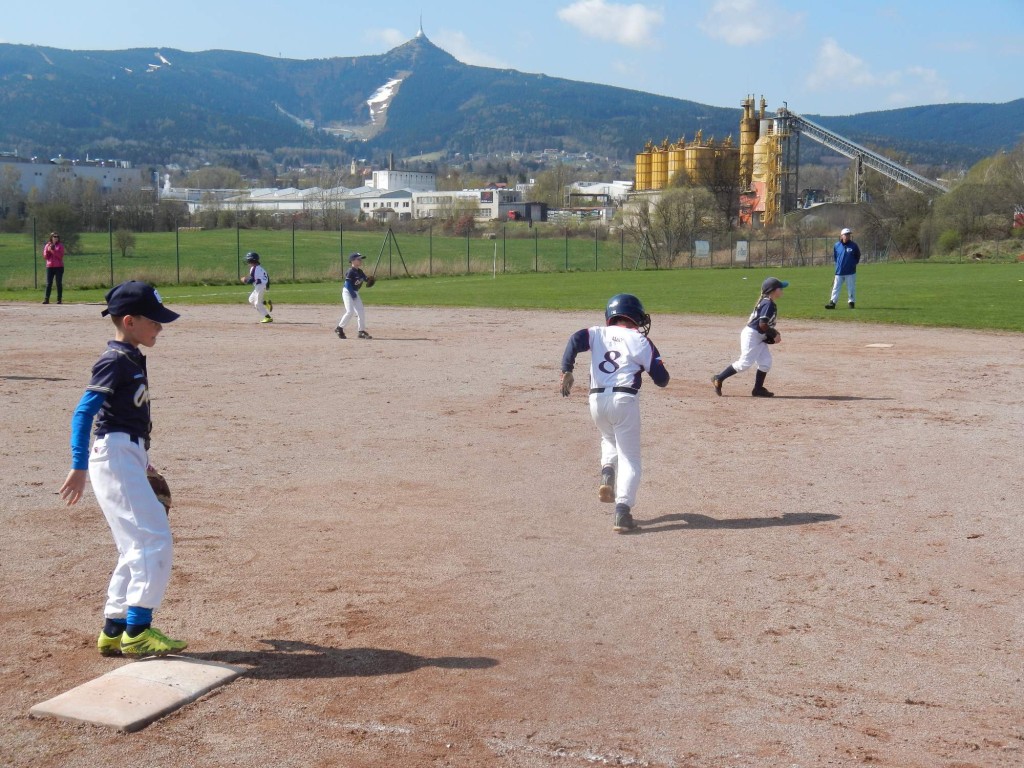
(757, 334)
(355, 279)
(118, 398)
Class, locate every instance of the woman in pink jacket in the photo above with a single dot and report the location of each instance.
(53, 253)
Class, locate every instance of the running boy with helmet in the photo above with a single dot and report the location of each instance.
(118, 398)
(619, 353)
(260, 282)
(355, 279)
(755, 337)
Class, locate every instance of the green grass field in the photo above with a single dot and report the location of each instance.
(978, 296)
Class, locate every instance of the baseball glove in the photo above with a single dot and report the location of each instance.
(370, 281)
(565, 385)
(771, 336)
(160, 487)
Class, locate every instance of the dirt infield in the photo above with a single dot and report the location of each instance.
(401, 539)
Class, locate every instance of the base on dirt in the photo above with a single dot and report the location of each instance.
(133, 696)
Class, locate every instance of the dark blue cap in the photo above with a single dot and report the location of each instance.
(140, 299)
(355, 256)
(772, 283)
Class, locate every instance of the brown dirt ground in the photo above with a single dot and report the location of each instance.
(401, 539)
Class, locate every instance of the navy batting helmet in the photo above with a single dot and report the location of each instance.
(252, 257)
(629, 306)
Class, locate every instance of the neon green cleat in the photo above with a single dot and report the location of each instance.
(107, 645)
(267, 319)
(152, 642)
(269, 305)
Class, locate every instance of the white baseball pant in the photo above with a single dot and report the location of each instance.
(256, 298)
(617, 416)
(353, 306)
(142, 532)
(753, 351)
(851, 284)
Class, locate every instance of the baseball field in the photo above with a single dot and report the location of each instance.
(400, 540)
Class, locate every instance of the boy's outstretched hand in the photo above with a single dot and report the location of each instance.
(74, 486)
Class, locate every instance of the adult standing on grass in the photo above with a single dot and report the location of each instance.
(53, 254)
(846, 255)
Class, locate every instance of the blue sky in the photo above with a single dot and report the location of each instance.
(825, 57)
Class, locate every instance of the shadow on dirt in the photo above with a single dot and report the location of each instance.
(690, 521)
(293, 659)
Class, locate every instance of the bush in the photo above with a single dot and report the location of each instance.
(948, 241)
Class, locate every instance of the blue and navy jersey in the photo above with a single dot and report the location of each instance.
(120, 376)
(354, 280)
(846, 256)
(766, 311)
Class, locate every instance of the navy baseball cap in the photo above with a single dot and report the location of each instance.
(772, 283)
(139, 299)
(355, 256)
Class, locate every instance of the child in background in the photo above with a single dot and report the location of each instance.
(757, 335)
(260, 281)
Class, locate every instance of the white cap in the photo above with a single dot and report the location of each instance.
(846, 231)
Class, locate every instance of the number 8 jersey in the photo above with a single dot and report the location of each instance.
(618, 356)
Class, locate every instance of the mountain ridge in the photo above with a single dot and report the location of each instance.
(151, 105)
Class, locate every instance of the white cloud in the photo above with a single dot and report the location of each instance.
(633, 25)
(392, 38)
(458, 45)
(841, 70)
(744, 22)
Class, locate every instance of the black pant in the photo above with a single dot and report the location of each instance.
(51, 273)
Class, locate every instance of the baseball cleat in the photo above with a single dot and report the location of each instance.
(340, 332)
(364, 335)
(606, 491)
(151, 642)
(269, 305)
(761, 392)
(624, 522)
(267, 319)
(830, 305)
(107, 645)
(851, 305)
(718, 385)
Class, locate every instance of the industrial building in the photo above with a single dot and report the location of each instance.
(109, 175)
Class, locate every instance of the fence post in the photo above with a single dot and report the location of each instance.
(595, 249)
(177, 250)
(567, 249)
(110, 235)
(622, 250)
(536, 255)
(430, 250)
(341, 246)
(467, 251)
(503, 246)
(293, 250)
(35, 259)
(238, 252)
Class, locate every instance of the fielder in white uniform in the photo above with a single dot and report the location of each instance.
(260, 281)
(619, 353)
(118, 398)
(755, 346)
(355, 279)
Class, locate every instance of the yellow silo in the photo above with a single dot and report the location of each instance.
(643, 169)
(748, 137)
(659, 166)
(676, 159)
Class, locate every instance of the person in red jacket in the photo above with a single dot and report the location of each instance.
(53, 253)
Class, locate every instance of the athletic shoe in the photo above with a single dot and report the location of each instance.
(830, 305)
(151, 642)
(269, 305)
(761, 392)
(107, 645)
(340, 332)
(624, 521)
(364, 335)
(718, 385)
(46, 301)
(606, 491)
(851, 305)
(267, 319)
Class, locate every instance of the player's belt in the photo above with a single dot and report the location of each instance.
(627, 390)
(134, 438)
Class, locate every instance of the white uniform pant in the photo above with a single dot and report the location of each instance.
(851, 285)
(617, 416)
(353, 306)
(142, 532)
(256, 298)
(753, 351)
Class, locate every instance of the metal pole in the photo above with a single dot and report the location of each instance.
(293, 250)
(504, 256)
(238, 252)
(567, 249)
(430, 250)
(177, 250)
(35, 260)
(341, 247)
(536, 255)
(595, 249)
(467, 251)
(110, 235)
(622, 249)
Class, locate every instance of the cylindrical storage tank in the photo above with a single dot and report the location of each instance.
(700, 164)
(762, 147)
(643, 171)
(748, 137)
(659, 168)
(676, 160)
